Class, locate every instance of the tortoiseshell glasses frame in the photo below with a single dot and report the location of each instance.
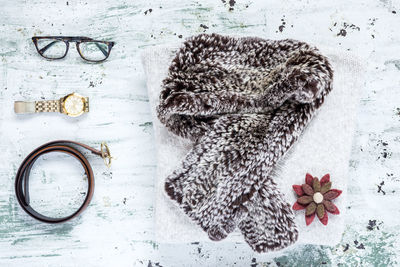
(104, 46)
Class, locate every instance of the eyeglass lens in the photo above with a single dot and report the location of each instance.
(94, 51)
(51, 48)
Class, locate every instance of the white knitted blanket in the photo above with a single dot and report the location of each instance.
(323, 148)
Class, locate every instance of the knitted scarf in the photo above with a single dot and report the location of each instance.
(243, 102)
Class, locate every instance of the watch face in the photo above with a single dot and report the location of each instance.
(74, 105)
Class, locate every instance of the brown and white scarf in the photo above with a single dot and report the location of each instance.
(243, 102)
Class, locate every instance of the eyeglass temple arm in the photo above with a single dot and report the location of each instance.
(105, 53)
(47, 47)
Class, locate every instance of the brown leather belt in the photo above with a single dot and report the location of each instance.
(64, 146)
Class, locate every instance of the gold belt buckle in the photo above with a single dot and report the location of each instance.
(105, 154)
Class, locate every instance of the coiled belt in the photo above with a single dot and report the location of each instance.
(63, 146)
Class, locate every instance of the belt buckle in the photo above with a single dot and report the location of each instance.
(105, 154)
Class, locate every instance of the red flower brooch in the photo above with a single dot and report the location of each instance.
(315, 196)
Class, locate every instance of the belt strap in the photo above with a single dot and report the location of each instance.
(64, 146)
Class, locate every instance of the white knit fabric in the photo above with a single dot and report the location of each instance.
(323, 148)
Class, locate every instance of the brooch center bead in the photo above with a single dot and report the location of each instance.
(318, 197)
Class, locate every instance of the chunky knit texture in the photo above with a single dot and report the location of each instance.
(244, 102)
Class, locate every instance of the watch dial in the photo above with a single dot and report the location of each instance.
(74, 105)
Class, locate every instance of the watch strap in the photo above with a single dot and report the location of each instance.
(23, 107)
(86, 105)
(48, 106)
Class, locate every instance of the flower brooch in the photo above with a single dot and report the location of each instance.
(315, 196)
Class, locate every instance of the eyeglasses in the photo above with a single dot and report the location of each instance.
(56, 47)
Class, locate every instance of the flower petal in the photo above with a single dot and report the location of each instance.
(325, 179)
(307, 189)
(316, 185)
(298, 190)
(320, 210)
(304, 200)
(309, 179)
(329, 206)
(297, 206)
(325, 188)
(332, 194)
(311, 208)
(310, 219)
(324, 220)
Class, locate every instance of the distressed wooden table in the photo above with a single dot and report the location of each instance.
(117, 228)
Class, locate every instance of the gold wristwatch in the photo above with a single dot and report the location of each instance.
(72, 105)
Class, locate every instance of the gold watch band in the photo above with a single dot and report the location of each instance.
(48, 106)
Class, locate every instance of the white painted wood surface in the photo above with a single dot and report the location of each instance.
(117, 228)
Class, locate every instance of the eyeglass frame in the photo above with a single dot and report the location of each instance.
(77, 40)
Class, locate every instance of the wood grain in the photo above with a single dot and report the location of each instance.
(117, 228)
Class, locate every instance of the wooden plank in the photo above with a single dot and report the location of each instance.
(117, 227)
